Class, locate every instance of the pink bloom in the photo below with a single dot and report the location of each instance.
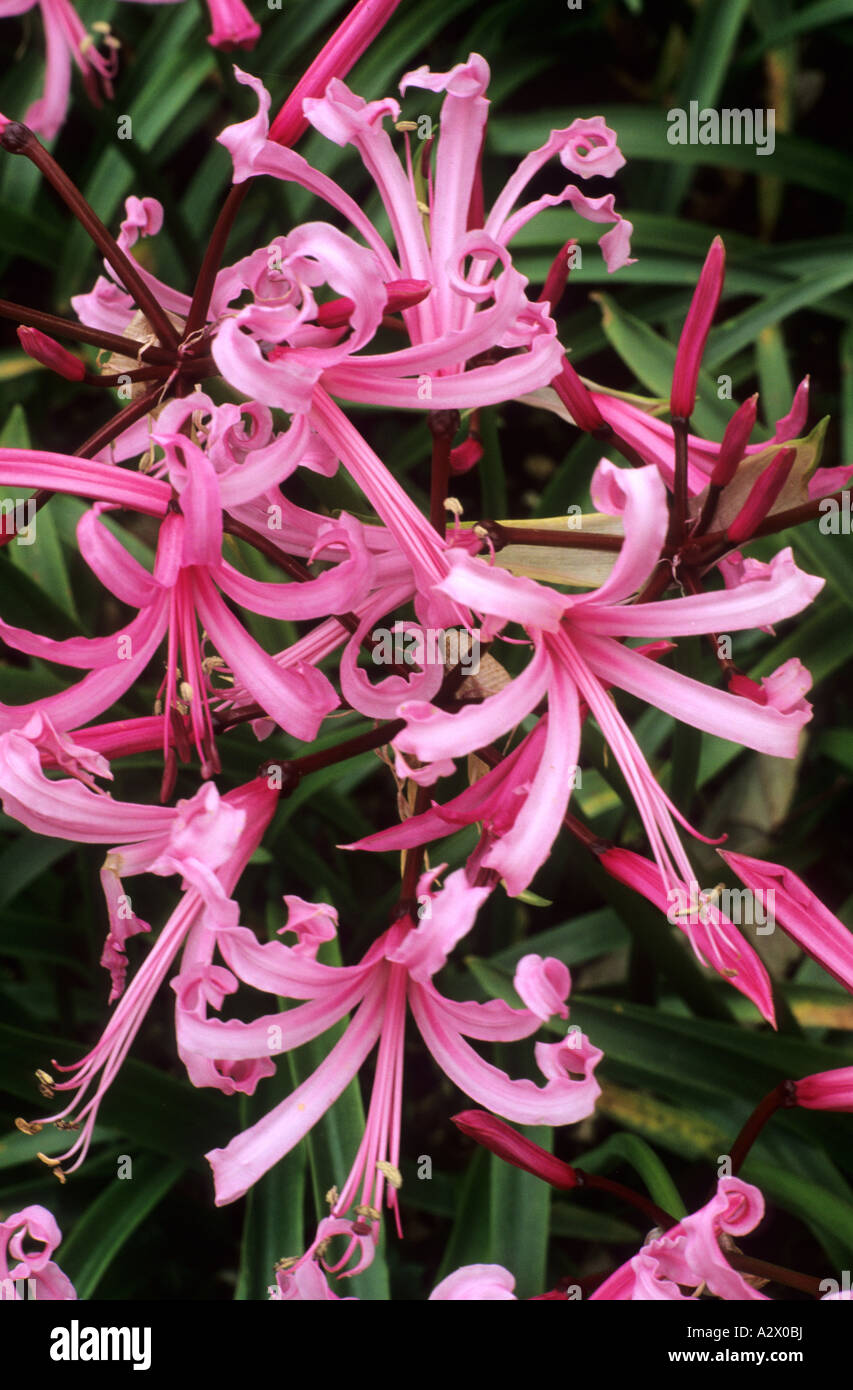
(190, 577)
(472, 1283)
(206, 840)
(395, 973)
(800, 913)
(454, 324)
(68, 42)
(688, 1255)
(475, 1283)
(18, 1233)
(576, 656)
(233, 26)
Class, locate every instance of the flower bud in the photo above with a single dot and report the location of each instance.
(763, 494)
(501, 1139)
(51, 354)
(578, 400)
(734, 442)
(697, 326)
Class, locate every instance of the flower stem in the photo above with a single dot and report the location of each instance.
(781, 1097)
(500, 535)
(213, 258)
(19, 139)
(79, 332)
(443, 425)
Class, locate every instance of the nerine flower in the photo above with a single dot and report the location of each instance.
(689, 1254)
(206, 840)
(578, 652)
(450, 327)
(471, 1283)
(186, 587)
(69, 43)
(20, 1236)
(395, 975)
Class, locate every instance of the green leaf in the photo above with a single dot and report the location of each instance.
(520, 1211)
(274, 1223)
(712, 46)
(628, 1148)
(110, 1221)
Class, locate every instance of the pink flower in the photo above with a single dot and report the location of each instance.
(395, 973)
(475, 1283)
(18, 1233)
(471, 1283)
(689, 1254)
(578, 652)
(453, 325)
(206, 840)
(190, 576)
(68, 42)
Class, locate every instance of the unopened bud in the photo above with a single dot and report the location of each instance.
(734, 442)
(762, 495)
(51, 354)
(578, 399)
(697, 326)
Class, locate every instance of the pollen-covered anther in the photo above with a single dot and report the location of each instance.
(392, 1174)
(452, 504)
(370, 1212)
(286, 1262)
(46, 1084)
(405, 125)
(28, 1127)
(67, 1124)
(185, 691)
(332, 1196)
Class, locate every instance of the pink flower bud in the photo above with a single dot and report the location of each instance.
(336, 313)
(501, 1139)
(697, 326)
(557, 277)
(51, 354)
(826, 1090)
(762, 495)
(466, 455)
(577, 399)
(402, 294)
(734, 442)
(748, 688)
(345, 47)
